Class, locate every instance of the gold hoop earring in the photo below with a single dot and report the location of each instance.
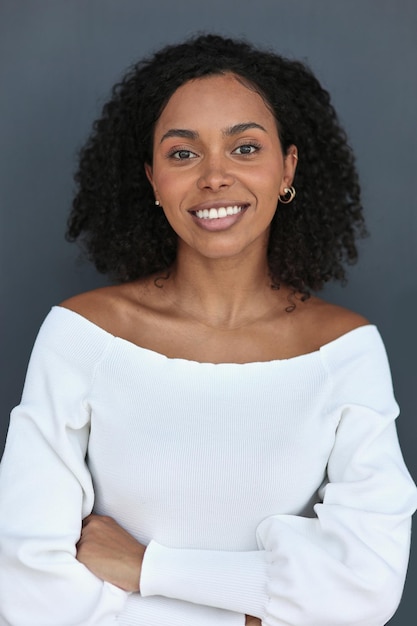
(289, 195)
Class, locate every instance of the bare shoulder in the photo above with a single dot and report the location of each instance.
(329, 321)
(107, 307)
(317, 323)
(92, 304)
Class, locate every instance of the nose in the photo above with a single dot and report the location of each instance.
(215, 174)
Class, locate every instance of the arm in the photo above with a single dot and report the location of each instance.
(343, 544)
(345, 565)
(112, 554)
(45, 489)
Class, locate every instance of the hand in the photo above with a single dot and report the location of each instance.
(252, 621)
(110, 552)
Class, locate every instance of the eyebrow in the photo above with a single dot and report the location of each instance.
(236, 129)
(241, 128)
(180, 132)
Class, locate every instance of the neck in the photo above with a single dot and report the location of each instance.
(227, 292)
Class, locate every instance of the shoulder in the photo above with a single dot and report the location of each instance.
(325, 322)
(68, 339)
(355, 357)
(96, 305)
(340, 321)
(101, 306)
(112, 308)
(315, 323)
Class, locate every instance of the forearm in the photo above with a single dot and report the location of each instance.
(113, 555)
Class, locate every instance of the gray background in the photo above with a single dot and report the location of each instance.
(58, 60)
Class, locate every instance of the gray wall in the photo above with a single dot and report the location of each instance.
(58, 59)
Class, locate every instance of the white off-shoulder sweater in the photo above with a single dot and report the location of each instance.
(275, 489)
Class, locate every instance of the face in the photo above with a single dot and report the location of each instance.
(218, 166)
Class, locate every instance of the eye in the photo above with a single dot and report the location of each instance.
(247, 149)
(182, 155)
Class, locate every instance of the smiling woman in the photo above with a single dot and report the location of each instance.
(210, 444)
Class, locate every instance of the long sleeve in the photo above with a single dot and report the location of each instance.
(345, 565)
(46, 489)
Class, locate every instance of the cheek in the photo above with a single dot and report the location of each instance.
(171, 181)
(268, 179)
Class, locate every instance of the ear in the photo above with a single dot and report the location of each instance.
(149, 173)
(290, 165)
(149, 176)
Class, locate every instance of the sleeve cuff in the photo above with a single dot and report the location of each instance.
(235, 581)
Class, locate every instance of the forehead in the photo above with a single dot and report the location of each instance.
(214, 102)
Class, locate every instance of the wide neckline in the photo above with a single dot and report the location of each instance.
(160, 355)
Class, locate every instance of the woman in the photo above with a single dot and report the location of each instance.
(232, 434)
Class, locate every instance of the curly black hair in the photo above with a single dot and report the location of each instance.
(311, 240)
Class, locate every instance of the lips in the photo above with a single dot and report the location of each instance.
(218, 215)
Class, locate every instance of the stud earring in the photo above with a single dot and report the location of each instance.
(289, 195)
(157, 203)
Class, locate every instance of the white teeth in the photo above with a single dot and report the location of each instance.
(214, 214)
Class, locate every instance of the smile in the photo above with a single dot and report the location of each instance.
(215, 214)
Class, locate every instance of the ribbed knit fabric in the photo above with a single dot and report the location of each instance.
(275, 489)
